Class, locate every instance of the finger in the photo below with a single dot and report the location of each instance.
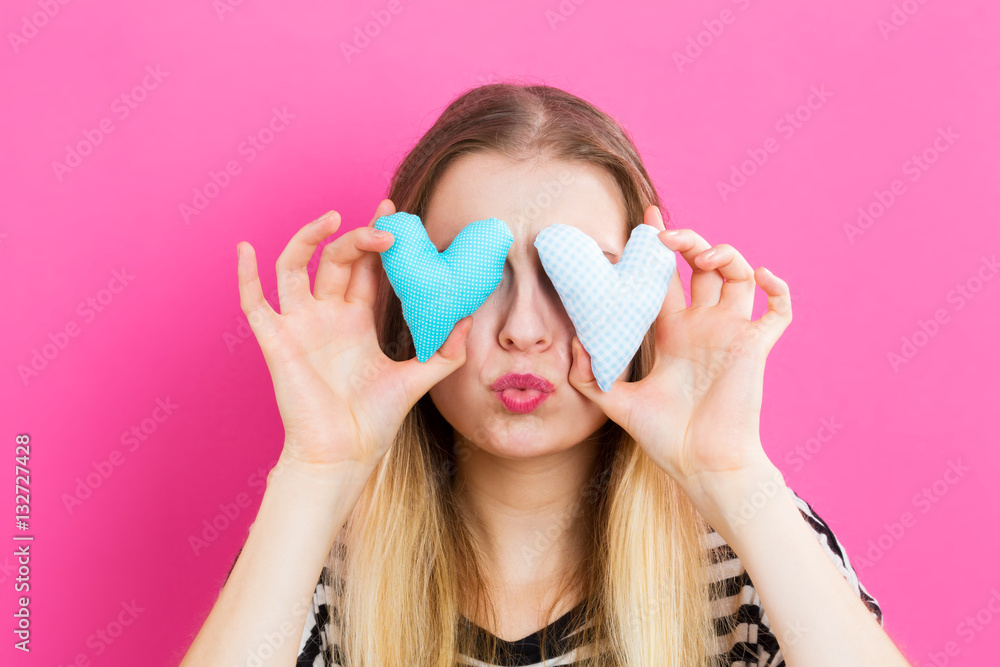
(654, 216)
(418, 378)
(346, 256)
(291, 267)
(706, 284)
(779, 306)
(674, 299)
(364, 278)
(260, 315)
(581, 376)
(738, 290)
(674, 302)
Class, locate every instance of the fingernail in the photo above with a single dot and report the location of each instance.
(378, 233)
(237, 251)
(673, 232)
(659, 214)
(322, 216)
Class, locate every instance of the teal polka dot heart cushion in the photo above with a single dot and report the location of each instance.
(435, 289)
(611, 305)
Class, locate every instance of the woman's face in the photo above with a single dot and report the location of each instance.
(522, 327)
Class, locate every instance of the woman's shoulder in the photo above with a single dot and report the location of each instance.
(744, 631)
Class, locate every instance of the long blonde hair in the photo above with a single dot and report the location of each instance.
(406, 560)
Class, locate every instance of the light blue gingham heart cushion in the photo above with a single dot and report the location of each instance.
(611, 305)
(435, 289)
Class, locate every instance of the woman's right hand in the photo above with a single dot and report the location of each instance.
(341, 399)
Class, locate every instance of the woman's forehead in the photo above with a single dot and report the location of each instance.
(528, 196)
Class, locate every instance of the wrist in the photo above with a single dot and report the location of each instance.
(328, 478)
(732, 501)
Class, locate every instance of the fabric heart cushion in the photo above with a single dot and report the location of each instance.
(436, 289)
(611, 305)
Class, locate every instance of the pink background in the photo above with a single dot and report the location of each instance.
(172, 331)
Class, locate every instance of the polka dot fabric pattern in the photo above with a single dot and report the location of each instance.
(438, 289)
(611, 305)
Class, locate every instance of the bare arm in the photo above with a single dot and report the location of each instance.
(260, 613)
(817, 618)
(341, 401)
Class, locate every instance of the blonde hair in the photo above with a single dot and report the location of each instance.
(405, 561)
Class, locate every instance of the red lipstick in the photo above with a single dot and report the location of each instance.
(522, 392)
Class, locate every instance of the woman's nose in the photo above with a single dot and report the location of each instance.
(529, 310)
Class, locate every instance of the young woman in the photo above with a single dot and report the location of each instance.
(419, 514)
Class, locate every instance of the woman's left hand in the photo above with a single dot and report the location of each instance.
(697, 413)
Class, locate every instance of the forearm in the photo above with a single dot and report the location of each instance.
(816, 616)
(260, 613)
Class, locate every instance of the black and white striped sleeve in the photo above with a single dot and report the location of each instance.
(314, 646)
(770, 652)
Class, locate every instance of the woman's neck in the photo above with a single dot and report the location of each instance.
(530, 520)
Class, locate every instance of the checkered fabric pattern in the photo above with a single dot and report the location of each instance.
(438, 289)
(611, 305)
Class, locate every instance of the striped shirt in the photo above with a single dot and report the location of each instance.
(750, 643)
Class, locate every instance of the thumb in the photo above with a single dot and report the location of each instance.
(420, 377)
(581, 376)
